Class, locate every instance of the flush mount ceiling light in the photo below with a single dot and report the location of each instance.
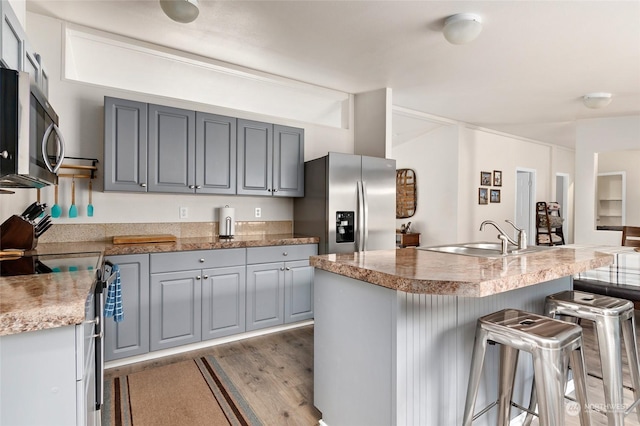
(462, 28)
(183, 11)
(597, 99)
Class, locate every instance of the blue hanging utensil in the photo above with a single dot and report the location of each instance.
(73, 210)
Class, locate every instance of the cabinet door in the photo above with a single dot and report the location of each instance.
(223, 302)
(172, 149)
(31, 65)
(215, 154)
(130, 336)
(288, 161)
(265, 295)
(12, 38)
(298, 287)
(255, 154)
(175, 309)
(125, 145)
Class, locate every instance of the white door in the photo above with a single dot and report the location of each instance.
(525, 203)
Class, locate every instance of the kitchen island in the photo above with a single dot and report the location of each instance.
(394, 329)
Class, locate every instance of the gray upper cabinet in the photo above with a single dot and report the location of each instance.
(288, 161)
(270, 159)
(215, 154)
(155, 148)
(12, 43)
(255, 153)
(172, 149)
(130, 336)
(125, 145)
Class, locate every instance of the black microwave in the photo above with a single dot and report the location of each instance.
(31, 144)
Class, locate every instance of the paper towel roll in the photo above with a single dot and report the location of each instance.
(227, 222)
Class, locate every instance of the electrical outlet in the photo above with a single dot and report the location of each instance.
(258, 212)
(184, 212)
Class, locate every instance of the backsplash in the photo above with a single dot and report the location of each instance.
(60, 233)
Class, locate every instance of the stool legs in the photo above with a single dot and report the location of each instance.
(508, 361)
(477, 361)
(549, 372)
(631, 346)
(580, 384)
(608, 333)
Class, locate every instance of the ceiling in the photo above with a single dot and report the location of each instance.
(524, 75)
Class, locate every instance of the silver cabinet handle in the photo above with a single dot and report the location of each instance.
(269, 189)
(275, 190)
(206, 277)
(201, 260)
(192, 187)
(284, 253)
(287, 268)
(4, 154)
(282, 268)
(198, 186)
(198, 277)
(144, 185)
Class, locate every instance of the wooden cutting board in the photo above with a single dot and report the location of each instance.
(142, 239)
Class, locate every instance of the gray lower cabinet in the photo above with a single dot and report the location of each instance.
(270, 159)
(131, 336)
(125, 145)
(223, 302)
(190, 305)
(175, 299)
(279, 292)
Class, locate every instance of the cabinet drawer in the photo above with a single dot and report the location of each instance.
(280, 253)
(200, 259)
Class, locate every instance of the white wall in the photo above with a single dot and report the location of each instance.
(482, 150)
(593, 136)
(434, 158)
(80, 107)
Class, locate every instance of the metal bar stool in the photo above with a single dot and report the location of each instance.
(551, 344)
(610, 316)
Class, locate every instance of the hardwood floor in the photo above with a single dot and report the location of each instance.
(274, 373)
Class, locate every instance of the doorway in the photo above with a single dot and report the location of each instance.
(562, 197)
(525, 202)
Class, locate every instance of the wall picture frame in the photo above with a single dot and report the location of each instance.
(497, 178)
(495, 195)
(485, 178)
(483, 196)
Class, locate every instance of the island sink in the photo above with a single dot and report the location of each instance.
(485, 249)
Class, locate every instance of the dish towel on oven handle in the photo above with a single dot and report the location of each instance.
(113, 305)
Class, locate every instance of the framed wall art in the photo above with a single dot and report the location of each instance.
(497, 178)
(483, 196)
(495, 195)
(485, 178)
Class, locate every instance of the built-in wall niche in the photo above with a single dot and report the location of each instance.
(617, 193)
(610, 199)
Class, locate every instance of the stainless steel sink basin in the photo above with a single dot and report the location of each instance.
(484, 249)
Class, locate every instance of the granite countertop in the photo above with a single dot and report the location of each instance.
(419, 271)
(42, 301)
(182, 244)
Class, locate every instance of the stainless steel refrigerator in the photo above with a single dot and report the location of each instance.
(349, 203)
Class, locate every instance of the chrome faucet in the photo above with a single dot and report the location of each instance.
(502, 236)
(522, 235)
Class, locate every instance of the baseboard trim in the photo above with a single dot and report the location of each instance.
(201, 345)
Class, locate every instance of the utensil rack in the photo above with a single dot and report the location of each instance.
(86, 171)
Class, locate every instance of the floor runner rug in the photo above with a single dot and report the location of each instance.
(194, 392)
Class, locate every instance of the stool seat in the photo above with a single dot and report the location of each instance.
(551, 344)
(588, 305)
(611, 317)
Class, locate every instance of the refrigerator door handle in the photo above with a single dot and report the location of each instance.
(360, 218)
(365, 216)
